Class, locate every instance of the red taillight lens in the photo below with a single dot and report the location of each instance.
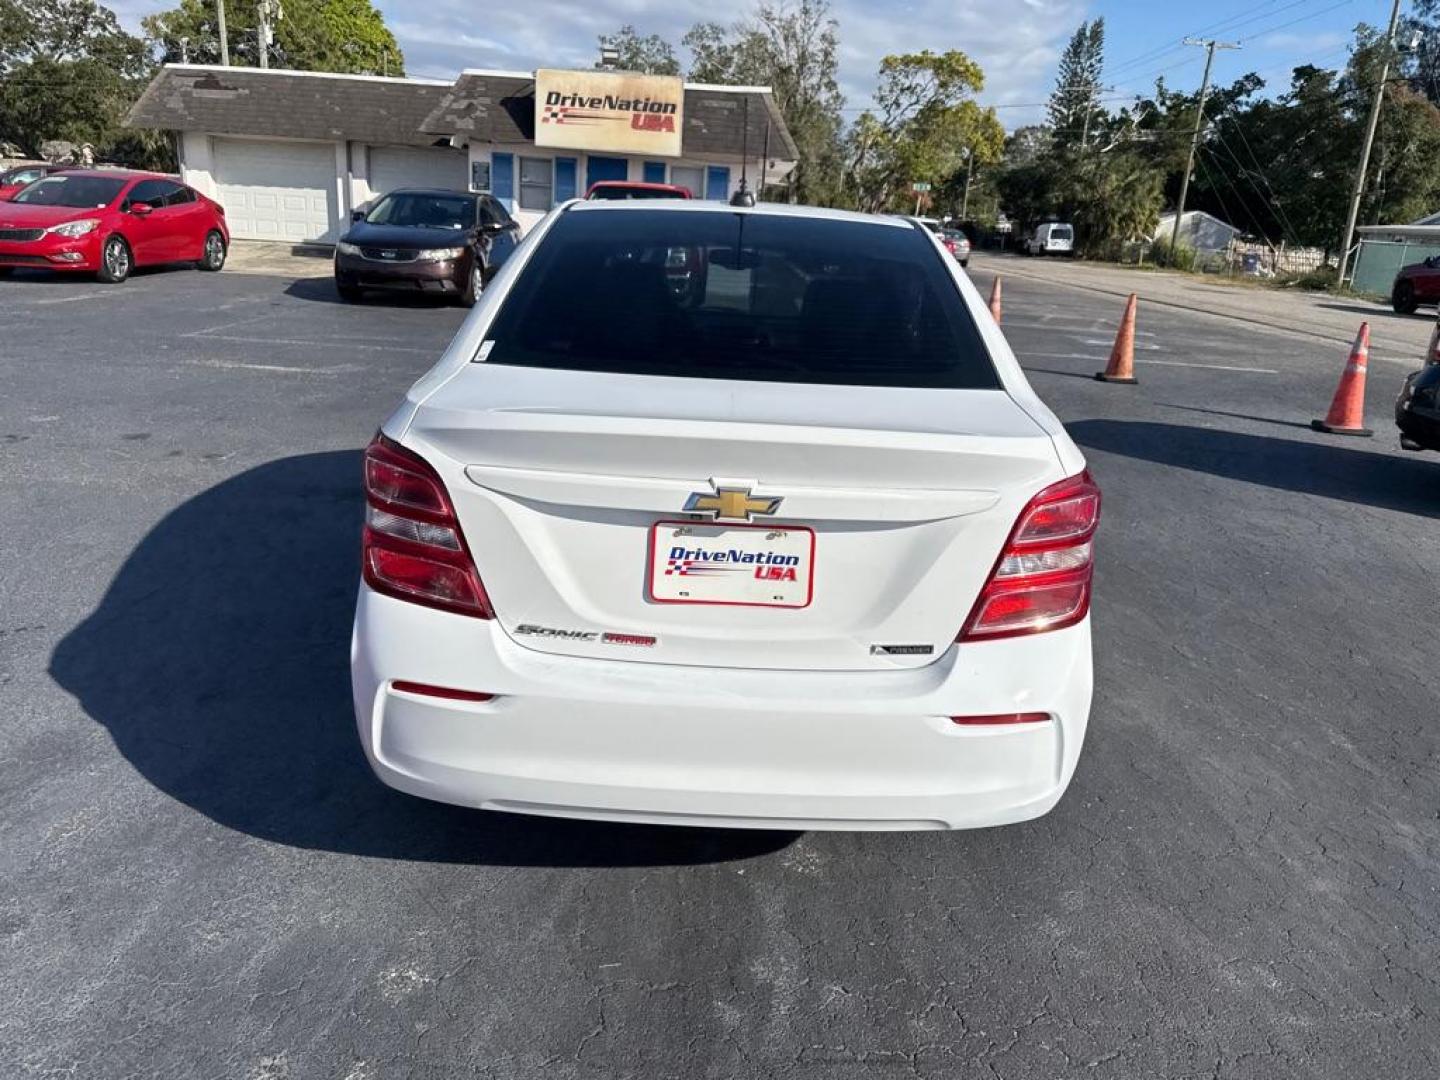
(1042, 579)
(413, 548)
(446, 692)
(1002, 718)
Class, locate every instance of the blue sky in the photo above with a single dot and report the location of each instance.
(1017, 42)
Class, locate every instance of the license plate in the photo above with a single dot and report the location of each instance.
(745, 565)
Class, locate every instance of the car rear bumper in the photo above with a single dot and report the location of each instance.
(435, 277)
(53, 253)
(1419, 423)
(661, 743)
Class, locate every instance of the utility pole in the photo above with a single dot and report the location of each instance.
(1210, 47)
(1359, 189)
(969, 172)
(269, 9)
(224, 41)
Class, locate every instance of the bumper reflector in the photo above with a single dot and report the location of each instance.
(449, 693)
(1003, 718)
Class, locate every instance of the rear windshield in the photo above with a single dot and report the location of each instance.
(720, 295)
(76, 191)
(1060, 232)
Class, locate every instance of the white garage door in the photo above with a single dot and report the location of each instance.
(277, 190)
(394, 167)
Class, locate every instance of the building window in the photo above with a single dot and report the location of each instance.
(537, 188)
(689, 176)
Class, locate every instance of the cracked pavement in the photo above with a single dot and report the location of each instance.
(199, 877)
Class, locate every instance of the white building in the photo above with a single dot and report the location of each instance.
(290, 154)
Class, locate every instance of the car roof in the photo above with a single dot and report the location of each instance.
(697, 206)
(432, 191)
(118, 174)
(648, 185)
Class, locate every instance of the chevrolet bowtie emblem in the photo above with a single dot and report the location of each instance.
(731, 503)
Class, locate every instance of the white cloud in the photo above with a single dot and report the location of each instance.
(1016, 45)
(1304, 44)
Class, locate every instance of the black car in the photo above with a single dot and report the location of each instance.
(1417, 409)
(425, 240)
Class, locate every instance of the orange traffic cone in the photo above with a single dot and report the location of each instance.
(995, 305)
(1121, 368)
(1347, 410)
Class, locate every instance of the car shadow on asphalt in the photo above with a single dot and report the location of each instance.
(1367, 477)
(24, 275)
(218, 661)
(1376, 310)
(321, 290)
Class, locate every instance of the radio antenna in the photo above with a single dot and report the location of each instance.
(743, 197)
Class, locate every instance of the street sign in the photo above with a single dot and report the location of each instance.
(920, 185)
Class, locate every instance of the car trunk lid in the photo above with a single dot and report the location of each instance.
(560, 478)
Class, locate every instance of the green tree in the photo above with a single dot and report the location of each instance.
(1403, 182)
(652, 54)
(1422, 64)
(924, 122)
(1073, 109)
(347, 36)
(67, 71)
(793, 48)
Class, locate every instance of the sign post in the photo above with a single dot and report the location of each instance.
(920, 187)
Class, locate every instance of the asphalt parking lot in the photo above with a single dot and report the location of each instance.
(199, 877)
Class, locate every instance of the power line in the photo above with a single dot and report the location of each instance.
(1243, 18)
(1210, 47)
(1269, 201)
(1286, 224)
(1300, 19)
(1244, 203)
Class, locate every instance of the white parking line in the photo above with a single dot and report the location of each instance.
(1023, 356)
(333, 343)
(76, 297)
(227, 326)
(1212, 367)
(339, 369)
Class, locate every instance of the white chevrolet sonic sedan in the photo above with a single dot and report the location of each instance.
(725, 516)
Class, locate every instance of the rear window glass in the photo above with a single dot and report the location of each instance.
(741, 296)
(1060, 232)
(76, 191)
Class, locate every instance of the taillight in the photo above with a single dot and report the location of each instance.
(1042, 579)
(413, 548)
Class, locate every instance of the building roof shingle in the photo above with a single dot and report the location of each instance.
(482, 107)
(296, 105)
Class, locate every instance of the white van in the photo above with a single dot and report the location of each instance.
(1052, 238)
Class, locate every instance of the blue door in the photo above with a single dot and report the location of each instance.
(654, 172)
(605, 168)
(717, 183)
(502, 179)
(564, 178)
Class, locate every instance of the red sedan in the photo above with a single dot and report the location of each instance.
(108, 222)
(1415, 285)
(635, 189)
